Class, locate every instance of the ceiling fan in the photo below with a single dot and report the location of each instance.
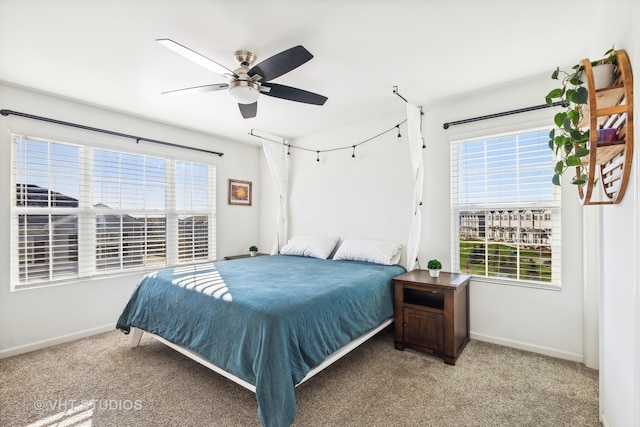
(248, 81)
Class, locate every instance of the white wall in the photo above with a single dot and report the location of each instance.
(366, 196)
(620, 294)
(34, 318)
(346, 196)
(370, 196)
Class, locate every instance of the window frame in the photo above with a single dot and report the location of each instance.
(504, 210)
(87, 213)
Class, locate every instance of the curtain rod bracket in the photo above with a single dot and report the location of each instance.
(271, 138)
(395, 90)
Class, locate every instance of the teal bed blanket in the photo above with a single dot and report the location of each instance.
(267, 320)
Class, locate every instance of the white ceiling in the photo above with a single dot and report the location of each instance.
(104, 53)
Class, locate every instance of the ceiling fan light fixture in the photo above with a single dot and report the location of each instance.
(244, 91)
(248, 80)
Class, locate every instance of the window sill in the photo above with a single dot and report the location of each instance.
(514, 283)
(77, 280)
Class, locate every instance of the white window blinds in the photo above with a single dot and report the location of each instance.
(80, 211)
(192, 205)
(506, 211)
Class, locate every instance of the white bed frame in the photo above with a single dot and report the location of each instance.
(136, 335)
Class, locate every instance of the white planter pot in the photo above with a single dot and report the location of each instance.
(434, 273)
(603, 75)
(253, 253)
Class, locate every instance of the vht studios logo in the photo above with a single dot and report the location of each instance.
(95, 404)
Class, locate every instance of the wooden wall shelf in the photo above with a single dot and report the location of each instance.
(608, 165)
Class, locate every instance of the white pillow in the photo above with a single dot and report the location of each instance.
(379, 251)
(315, 246)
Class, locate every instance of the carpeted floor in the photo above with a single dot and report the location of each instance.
(100, 381)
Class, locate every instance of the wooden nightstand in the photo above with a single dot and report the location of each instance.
(432, 313)
(243, 256)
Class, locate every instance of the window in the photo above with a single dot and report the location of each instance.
(506, 211)
(80, 211)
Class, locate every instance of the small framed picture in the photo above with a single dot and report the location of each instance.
(239, 192)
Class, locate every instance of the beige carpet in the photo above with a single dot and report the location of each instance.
(375, 385)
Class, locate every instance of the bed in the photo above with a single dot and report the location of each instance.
(269, 323)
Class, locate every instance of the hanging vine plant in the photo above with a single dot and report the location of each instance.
(568, 140)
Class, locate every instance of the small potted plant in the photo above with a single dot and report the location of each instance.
(253, 250)
(604, 69)
(434, 266)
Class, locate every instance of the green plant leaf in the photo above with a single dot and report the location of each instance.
(576, 78)
(569, 94)
(575, 116)
(559, 118)
(555, 93)
(581, 152)
(580, 136)
(556, 179)
(580, 96)
(572, 160)
(577, 135)
(568, 125)
(568, 146)
(559, 167)
(560, 140)
(611, 56)
(578, 181)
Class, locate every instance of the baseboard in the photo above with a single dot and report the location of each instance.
(603, 420)
(106, 328)
(547, 351)
(54, 341)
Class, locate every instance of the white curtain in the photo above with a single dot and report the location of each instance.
(415, 151)
(278, 162)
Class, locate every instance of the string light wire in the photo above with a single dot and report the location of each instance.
(347, 147)
(328, 150)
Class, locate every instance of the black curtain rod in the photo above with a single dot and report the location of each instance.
(505, 113)
(109, 132)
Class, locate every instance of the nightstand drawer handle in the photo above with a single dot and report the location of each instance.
(434, 292)
(404, 324)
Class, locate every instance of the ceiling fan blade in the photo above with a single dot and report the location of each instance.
(196, 57)
(281, 63)
(294, 94)
(248, 110)
(197, 89)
